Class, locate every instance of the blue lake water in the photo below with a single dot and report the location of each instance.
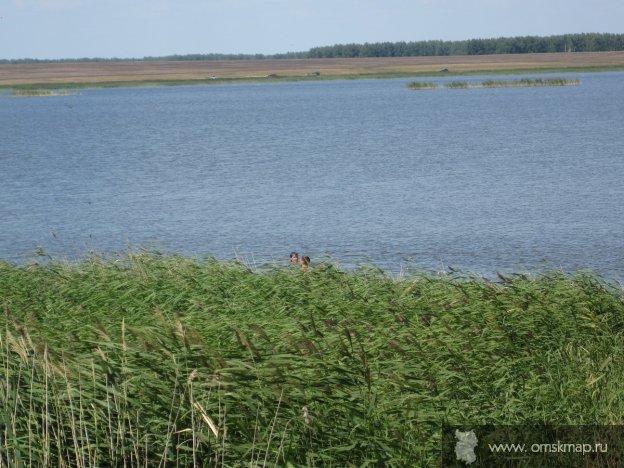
(486, 180)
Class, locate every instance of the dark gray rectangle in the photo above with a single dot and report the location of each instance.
(533, 446)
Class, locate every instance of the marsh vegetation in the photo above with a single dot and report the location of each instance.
(149, 360)
(522, 82)
(35, 92)
(422, 85)
(528, 82)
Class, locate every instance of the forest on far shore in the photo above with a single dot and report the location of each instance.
(584, 42)
(503, 45)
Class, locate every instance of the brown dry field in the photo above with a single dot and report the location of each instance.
(140, 71)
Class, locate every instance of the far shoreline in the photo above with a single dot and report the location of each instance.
(82, 75)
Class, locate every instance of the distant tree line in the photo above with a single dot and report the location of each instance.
(585, 42)
(229, 56)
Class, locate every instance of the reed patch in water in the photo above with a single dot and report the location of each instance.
(528, 82)
(422, 85)
(42, 92)
(522, 82)
(459, 85)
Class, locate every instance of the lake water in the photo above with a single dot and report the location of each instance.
(486, 180)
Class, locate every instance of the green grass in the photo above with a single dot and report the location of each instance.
(529, 82)
(37, 92)
(422, 85)
(458, 85)
(151, 360)
(522, 82)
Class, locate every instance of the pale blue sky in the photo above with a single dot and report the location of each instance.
(138, 28)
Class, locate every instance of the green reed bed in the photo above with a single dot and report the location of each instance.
(29, 92)
(459, 85)
(149, 360)
(422, 85)
(522, 82)
(529, 82)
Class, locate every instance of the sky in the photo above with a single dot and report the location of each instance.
(51, 29)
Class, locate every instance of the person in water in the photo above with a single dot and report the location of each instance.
(305, 262)
(294, 258)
